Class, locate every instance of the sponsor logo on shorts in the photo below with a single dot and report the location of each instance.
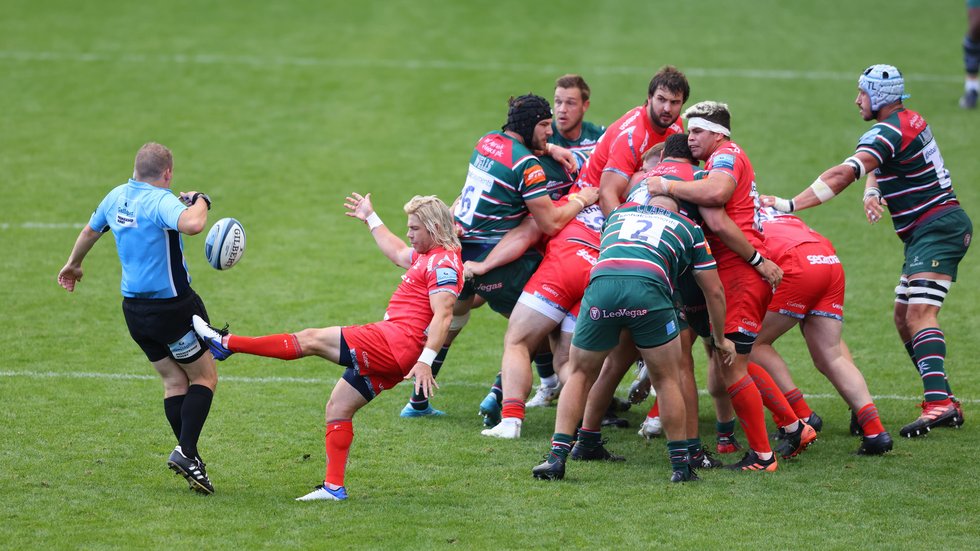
(838, 306)
(966, 240)
(935, 263)
(822, 259)
(600, 313)
(796, 304)
(749, 323)
(488, 287)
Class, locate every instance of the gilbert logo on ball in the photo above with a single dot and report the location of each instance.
(225, 244)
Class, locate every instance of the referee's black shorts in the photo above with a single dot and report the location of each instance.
(163, 327)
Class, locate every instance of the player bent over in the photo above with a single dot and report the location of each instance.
(811, 295)
(379, 355)
(147, 221)
(644, 247)
(913, 182)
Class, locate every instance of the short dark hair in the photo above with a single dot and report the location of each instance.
(670, 78)
(574, 81)
(675, 146)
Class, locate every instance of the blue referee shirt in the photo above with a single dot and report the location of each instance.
(143, 220)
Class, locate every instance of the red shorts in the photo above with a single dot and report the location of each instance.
(559, 282)
(747, 295)
(382, 353)
(813, 283)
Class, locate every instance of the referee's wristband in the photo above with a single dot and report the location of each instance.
(427, 357)
(202, 196)
(756, 259)
(373, 221)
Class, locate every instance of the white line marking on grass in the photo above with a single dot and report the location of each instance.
(434, 64)
(305, 380)
(41, 225)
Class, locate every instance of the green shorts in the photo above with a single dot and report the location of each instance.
(615, 303)
(501, 287)
(939, 245)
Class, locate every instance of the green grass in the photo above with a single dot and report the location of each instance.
(277, 110)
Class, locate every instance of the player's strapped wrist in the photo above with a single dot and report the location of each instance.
(755, 259)
(575, 197)
(427, 356)
(783, 205)
(373, 221)
(870, 192)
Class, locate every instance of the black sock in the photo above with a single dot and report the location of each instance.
(171, 408)
(544, 362)
(197, 404)
(418, 401)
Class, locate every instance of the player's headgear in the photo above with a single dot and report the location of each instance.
(525, 113)
(884, 84)
(710, 115)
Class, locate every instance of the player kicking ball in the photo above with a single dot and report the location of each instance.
(379, 355)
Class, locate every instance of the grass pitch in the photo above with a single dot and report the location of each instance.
(277, 111)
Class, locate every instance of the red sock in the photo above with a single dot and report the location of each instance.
(748, 406)
(340, 433)
(655, 409)
(868, 418)
(513, 408)
(795, 399)
(284, 346)
(772, 397)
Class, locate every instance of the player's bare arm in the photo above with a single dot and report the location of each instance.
(391, 245)
(714, 295)
(832, 182)
(718, 221)
(72, 271)
(551, 219)
(612, 187)
(442, 315)
(713, 191)
(514, 244)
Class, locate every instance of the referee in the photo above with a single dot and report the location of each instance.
(147, 219)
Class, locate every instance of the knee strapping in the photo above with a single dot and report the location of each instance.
(459, 322)
(928, 291)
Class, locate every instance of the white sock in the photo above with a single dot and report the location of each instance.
(551, 381)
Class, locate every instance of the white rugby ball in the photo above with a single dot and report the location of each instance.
(225, 244)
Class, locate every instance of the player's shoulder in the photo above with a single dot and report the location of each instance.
(592, 130)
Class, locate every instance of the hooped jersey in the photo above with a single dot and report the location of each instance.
(503, 174)
(559, 179)
(143, 219)
(621, 148)
(651, 242)
(670, 169)
(911, 176)
(437, 271)
(743, 206)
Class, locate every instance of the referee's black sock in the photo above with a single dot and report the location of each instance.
(171, 408)
(197, 404)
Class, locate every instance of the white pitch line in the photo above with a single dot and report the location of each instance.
(328, 381)
(41, 225)
(434, 64)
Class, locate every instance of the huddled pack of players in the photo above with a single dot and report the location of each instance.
(602, 246)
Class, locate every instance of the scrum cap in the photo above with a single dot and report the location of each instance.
(884, 84)
(525, 113)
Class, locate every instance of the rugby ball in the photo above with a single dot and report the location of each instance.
(225, 244)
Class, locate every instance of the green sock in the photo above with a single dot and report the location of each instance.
(589, 439)
(561, 444)
(677, 450)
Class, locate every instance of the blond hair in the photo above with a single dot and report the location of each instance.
(152, 160)
(435, 216)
